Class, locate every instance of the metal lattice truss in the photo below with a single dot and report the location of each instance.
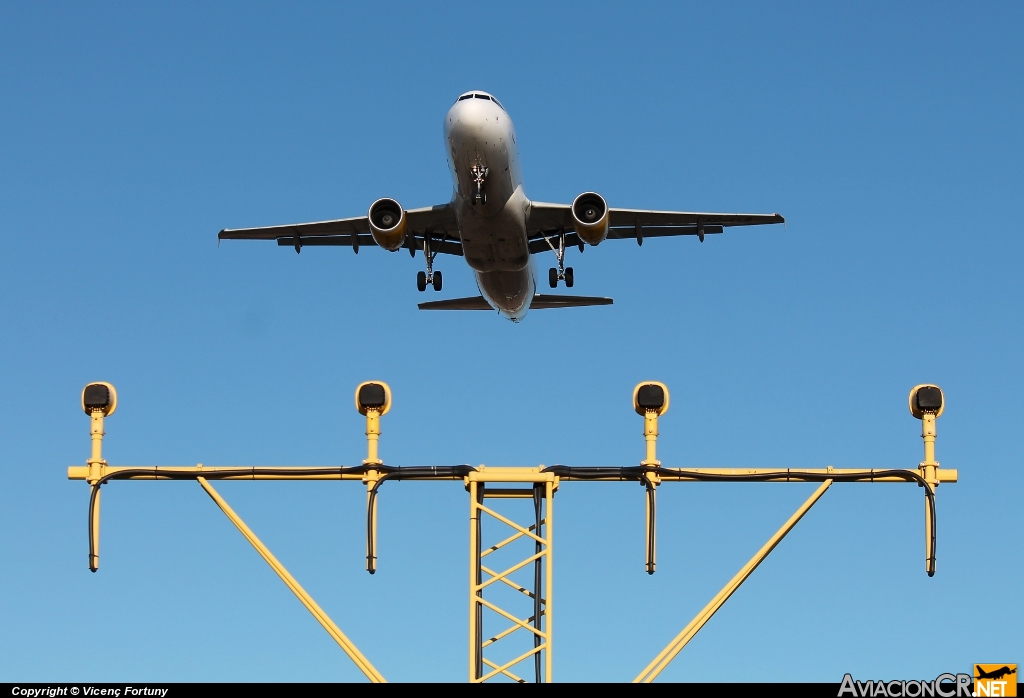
(483, 579)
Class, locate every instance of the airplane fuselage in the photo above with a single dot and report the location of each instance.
(489, 202)
(499, 229)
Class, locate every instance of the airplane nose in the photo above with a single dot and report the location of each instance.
(468, 117)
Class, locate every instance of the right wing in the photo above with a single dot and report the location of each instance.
(626, 223)
(437, 221)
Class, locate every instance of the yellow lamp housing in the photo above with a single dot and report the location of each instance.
(373, 395)
(650, 395)
(927, 399)
(99, 397)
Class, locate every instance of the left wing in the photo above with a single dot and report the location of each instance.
(627, 223)
(436, 221)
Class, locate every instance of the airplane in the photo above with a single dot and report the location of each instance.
(492, 224)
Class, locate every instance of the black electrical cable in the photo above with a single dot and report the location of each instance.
(426, 472)
(651, 523)
(430, 472)
(636, 473)
(411, 472)
(157, 474)
(92, 512)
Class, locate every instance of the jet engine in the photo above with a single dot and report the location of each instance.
(388, 223)
(590, 217)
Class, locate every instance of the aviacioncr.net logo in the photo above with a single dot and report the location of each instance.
(942, 686)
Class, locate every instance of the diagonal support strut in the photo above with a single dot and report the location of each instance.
(665, 657)
(321, 617)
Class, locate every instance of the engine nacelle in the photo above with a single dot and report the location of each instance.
(590, 217)
(388, 223)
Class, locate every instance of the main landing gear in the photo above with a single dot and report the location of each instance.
(562, 272)
(429, 276)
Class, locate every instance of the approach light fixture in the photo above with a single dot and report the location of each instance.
(99, 397)
(650, 400)
(926, 399)
(373, 400)
(927, 404)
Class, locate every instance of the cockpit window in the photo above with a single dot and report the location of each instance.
(480, 96)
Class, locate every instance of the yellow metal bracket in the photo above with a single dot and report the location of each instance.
(318, 613)
(663, 659)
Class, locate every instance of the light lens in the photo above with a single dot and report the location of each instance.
(97, 396)
(650, 397)
(929, 399)
(371, 395)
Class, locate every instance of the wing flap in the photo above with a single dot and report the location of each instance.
(413, 242)
(365, 240)
(658, 231)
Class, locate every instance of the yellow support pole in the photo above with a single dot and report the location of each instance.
(651, 437)
(474, 562)
(96, 434)
(94, 471)
(321, 617)
(929, 467)
(372, 437)
(663, 659)
(549, 591)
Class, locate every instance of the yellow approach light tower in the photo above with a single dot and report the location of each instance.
(927, 403)
(511, 523)
(99, 400)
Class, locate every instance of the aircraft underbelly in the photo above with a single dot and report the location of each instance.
(490, 204)
(509, 292)
(497, 243)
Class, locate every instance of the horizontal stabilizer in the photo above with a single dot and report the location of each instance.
(471, 303)
(540, 301)
(543, 300)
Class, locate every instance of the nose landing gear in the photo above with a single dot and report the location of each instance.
(562, 272)
(479, 178)
(429, 276)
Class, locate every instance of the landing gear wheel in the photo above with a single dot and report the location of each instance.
(421, 281)
(553, 277)
(568, 277)
(437, 281)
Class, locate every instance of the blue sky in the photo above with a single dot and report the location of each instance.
(889, 135)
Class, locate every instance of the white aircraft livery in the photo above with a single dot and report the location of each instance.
(492, 224)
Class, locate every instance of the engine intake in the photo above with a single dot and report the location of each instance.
(388, 223)
(590, 217)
